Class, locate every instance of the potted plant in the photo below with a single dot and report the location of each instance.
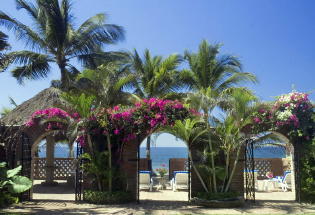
(162, 172)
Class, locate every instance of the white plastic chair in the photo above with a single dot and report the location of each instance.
(145, 181)
(286, 182)
(180, 181)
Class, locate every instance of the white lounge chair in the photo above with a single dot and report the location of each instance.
(145, 181)
(286, 182)
(180, 181)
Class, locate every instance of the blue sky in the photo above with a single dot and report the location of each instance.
(275, 40)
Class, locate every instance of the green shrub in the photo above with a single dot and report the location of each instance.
(217, 196)
(103, 197)
(11, 184)
(7, 199)
(308, 174)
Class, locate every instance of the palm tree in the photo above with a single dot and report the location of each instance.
(212, 78)
(206, 100)
(191, 132)
(229, 131)
(3, 46)
(154, 77)
(106, 83)
(101, 87)
(209, 69)
(6, 110)
(54, 39)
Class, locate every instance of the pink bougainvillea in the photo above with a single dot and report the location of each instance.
(48, 114)
(142, 119)
(123, 124)
(290, 113)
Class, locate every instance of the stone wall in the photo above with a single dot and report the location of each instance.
(129, 166)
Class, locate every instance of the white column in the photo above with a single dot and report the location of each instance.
(50, 150)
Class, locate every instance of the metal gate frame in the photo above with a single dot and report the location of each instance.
(138, 176)
(79, 175)
(189, 177)
(249, 167)
(25, 161)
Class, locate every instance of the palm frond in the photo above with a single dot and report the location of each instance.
(23, 32)
(3, 41)
(34, 65)
(94, 33)
(12, 102)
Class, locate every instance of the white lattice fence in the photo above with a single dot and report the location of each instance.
(263, 166)
(39, 171)
(64, 167)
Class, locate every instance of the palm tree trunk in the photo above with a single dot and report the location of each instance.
(211, 152)
(148, 148)
(110, 179)
(233, 170)
(197, 172)
(227, 162)
(90, 145)
(213, 166)
(64, 76)
(99, 184)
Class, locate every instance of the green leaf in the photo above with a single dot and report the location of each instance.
(20, 184)
(3, 164)
(13, 172)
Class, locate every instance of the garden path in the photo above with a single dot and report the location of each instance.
(156, 208)
(63, 191)
(164, 195)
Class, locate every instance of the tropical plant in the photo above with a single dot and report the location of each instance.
(228, 131)
(211, 78)
(206, 170)
(191, 131)
(99, 197)
(94, 165)
(106, 83)
(206, 100)
(154, 77)
(208, 69)
(11, 183)
(6, 110)
(3, 46)
(54, 39)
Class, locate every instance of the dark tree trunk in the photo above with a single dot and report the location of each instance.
(64, 79)
(148, 150)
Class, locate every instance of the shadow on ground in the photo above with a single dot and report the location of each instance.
(157, 207)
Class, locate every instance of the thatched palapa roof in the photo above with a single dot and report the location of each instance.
(45, 99)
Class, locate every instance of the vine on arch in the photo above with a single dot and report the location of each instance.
(291, 114)
(141, 120)
(123, 124)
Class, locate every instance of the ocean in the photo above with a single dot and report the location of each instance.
(161, 155)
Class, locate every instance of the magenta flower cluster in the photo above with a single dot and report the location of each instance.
(123, 124)
(142, 119)
(50, 113)
(291, 112)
